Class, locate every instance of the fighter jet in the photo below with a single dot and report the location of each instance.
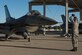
(22, 25)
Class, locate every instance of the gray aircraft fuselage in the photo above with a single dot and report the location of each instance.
(24, 23)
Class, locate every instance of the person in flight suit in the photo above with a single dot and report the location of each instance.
(75, 31)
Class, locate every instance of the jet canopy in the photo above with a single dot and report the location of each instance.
(34, 12)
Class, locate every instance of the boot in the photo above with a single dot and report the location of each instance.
(74, 49)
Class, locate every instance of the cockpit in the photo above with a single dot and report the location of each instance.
(34, 12)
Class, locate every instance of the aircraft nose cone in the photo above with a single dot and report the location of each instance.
(39, 20)
(49, 21)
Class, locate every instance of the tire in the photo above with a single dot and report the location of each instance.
(25, 35)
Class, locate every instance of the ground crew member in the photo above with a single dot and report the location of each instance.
(75, 32)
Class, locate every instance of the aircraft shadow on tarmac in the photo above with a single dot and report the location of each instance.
(2, 38)
(56, 39)
(33, 47)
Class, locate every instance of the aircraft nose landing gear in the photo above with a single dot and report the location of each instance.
(26, 36)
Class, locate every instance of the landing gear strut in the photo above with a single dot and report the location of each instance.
(6, 37)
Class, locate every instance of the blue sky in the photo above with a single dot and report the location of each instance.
(19, 8)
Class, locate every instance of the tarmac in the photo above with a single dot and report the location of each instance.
(39, 45)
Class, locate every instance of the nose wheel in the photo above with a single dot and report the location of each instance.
(26, 36)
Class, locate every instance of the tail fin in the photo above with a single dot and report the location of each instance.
(8, 16)
(64, 23)
(63, 19)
